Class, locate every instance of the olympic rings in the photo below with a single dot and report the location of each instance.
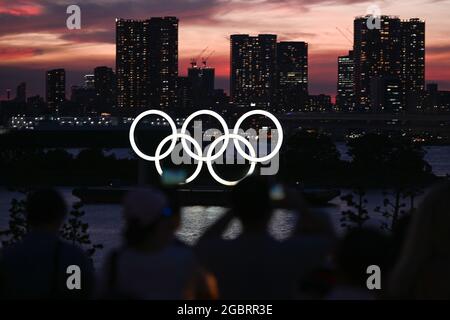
(225, 130)
(133, 128)
(209, 163)
(182, 136)
(279, 140)
(198, 155)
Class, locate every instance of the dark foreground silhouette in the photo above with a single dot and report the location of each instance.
(312, 263)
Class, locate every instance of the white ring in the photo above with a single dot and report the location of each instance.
(225, 129)
(279, 131)
(209, 163)
(177, 136)
(209, 157)
(133, 128)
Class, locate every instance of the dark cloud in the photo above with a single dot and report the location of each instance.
(438, 49)
(98, 20)
(97, 15)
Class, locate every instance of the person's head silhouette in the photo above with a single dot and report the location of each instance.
(151, 220)
(45, 210)
(251, 203)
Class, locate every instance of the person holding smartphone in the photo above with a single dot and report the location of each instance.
(255, 265)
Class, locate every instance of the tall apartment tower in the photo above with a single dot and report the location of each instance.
(345, 98)
(389, 62)
(147, 62)
(413, 62)
(55, 89)
(105, 88)
(202, 83)
(163, 61)
(253, 70)
(132, 63)
(377, 56)
(292, 72)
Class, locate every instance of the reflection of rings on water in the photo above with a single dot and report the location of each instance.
(198, 155)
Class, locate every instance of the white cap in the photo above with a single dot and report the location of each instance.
(144, 205)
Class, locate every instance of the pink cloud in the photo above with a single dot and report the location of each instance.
(20, 8)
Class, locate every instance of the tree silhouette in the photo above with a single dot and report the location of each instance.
(73, 230)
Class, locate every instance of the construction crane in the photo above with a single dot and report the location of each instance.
(205, 59)
(195, 59)
(344, 35)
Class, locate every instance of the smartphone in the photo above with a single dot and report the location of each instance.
(277, 193)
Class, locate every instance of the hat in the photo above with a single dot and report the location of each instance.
(145, 206)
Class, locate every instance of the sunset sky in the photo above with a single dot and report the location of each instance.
(34, 37)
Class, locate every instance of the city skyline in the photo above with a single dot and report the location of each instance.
(25, 59)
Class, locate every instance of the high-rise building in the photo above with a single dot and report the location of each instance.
(147, 62)
(84, 99)
(395, 52)
(132, 63)
(386, 94)
(345, 99)
(21, 92)
(413, 62)
(184, 89)
(163, 63)
(319, 103)
(376, 54)
(105, 88)
(56, 89)
(292, 68)
(202, 84)
(436, 100)
(253, 70)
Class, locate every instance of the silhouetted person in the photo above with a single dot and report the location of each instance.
(152, 264)
(357, 250)
(422, 271)
(255, 265)
(36, 267)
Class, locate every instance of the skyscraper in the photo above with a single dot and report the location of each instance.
(147, 62)
(292, 68)
(55, 89)
(384, 57)
(132, 63)
(184, 93)
(413, 62)
(345, 99)
(386, 94)
(105, 88)
(163, 55)
(202, 82)
(376, 54)
(253, 70)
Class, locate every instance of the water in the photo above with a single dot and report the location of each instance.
(437, 156)
(106, 222)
